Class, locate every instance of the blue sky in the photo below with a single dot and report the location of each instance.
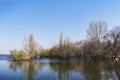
(47, 18)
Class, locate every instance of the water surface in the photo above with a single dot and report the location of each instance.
(45, 69)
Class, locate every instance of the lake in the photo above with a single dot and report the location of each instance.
(46, 69)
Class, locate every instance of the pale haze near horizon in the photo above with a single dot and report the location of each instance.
(46, 19)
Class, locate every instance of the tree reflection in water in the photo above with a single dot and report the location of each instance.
(14, 65)
(64, 69)
(28, 68)
(68, 70)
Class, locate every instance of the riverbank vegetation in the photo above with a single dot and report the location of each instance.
(100, 44)
(19, 55)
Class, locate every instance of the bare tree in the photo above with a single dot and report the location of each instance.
(97, 30)
(30, 46)
(64, 47)
(61, 44)
(96, 33)
(113, 39)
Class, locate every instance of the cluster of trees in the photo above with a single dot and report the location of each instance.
(100, 44)
(30, 50)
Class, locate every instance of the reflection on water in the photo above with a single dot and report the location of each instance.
(59, 70)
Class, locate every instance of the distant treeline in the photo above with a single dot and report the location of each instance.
(100, 44)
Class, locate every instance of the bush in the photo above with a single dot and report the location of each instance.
(19, 55)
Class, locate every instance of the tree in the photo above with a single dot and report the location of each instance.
(96, 33)
(61, 44)
(97, 30)
(30, 46)
(64, 47)
(113, 41)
